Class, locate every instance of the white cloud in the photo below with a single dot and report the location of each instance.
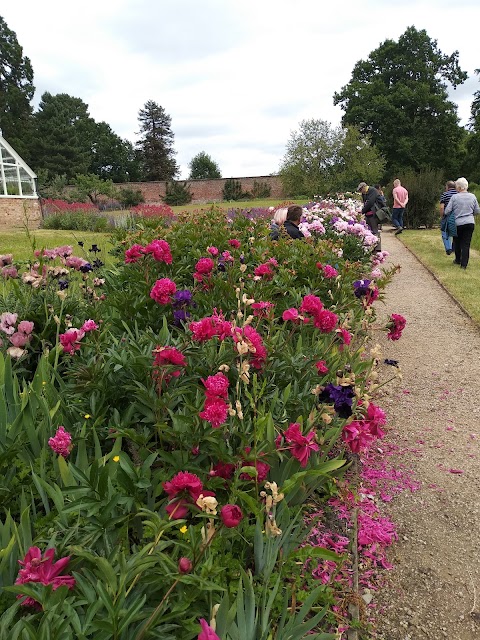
(236, 77)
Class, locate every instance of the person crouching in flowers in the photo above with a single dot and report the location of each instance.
(279, 218)
(293, 217)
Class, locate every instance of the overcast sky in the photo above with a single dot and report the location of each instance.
(236, 76)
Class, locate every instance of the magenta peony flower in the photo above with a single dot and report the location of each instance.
(262, 470)
(70, 340)
(89, 325)
(329, 271)
(312, 305)
(223, 470)
(396, 325)
(326, 321)
(207, 632)
(163, 290)
(204, 266)
(216, 386)
(302, 445)
(43, 570)
(321, 366)
(231, 515)
(264, 271)
(213, 251)
(210, 327)
(262, 309)
(259, 353)
(164, 356)
(344, 335)
(134, 253)
(290, 314)
(61, 443)
(182, 482)
(160, 250)
(215, 411)
(234, 243)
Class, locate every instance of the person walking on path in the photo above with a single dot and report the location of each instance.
(400, 199)
(464, 206)
(371, 202)
(447, 225)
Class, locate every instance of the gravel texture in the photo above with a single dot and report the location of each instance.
(434, 418)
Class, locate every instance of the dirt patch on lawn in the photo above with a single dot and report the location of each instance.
(434, 423)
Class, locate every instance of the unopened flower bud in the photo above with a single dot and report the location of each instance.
(185, 565)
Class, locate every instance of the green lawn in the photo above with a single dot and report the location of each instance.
(463, 285)
(17, 241)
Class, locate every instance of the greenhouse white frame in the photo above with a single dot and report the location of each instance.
(17, 180)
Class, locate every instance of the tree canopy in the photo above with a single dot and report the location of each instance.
(16, 91)
(202, 166)
(156, 143)
(399, 97)
(320, 158)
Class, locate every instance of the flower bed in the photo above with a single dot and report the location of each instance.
(172, 420)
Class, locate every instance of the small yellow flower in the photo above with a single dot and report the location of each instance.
(116, 458)
(87, 416)
(184, 529)
(44, 382)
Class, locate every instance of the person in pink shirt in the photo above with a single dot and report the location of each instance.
(400, 199)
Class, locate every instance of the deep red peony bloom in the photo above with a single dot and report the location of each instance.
(42, 569)
(326, 321)
(134, 253)
(204, 266)
(185, 565)
(234, 243)
(302, 445)
(231, 515)
(215, 411)
(321, 366)
(216, 386)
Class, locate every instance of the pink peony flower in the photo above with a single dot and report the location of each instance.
(396, 325)
(290, 314)
(311, 304)
(160, 250)
(344, 335)
(61, 443)
(231, 515)
(210, 327)
(89, 325)
(262, 470)
(25, 327)
(204, 266)
(164, 356)
(302, 445)
(259, 353)
(329, 271)
(7, 322)
(326, 321)
(9, 272)
(234, 243)
(223, 470)
(216, 386)
(163, 290)
(264, 271)
(70, 340)
(134, 253)
(213, 251)
(186, 483)
(19, 339)
(321, 366)
(215, 411)
(43, 570)
(262, 309)
(75, 263)
(207, 632)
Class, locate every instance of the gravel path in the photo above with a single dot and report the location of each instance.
(433, 414)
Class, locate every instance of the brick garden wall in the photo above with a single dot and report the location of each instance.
(16, 212)
(204, 190)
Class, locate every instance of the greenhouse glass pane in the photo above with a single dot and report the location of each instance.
(28, 186)
(7, 157)
(11, 179)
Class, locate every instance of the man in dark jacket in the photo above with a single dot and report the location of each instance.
(371, 200)
(294, 215)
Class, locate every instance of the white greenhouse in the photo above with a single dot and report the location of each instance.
(16, 177)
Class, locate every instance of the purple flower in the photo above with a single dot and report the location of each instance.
(85, 268)
(182, 297)
(179, 316)
(341, 396)
(360, 288)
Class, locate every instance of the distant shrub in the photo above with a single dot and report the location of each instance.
(177, 193)
(424, 189)
(261, 189)
(129, 197)
(76, 221)
(232, 189)
(51, 206)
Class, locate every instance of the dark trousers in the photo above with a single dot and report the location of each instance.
(372, 222)
(461, 244)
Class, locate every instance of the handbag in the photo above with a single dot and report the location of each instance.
(384, 214)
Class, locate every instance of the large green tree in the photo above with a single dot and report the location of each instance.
(64, 135)
(113, 158)
(320, 158)
(16, 91)
(202, 166)
(156, 143)
(471, 167)
(399, 97)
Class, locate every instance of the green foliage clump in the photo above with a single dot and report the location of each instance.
(232, 189)
(129, 197)
(203, 167)
(177, 193)
(424, 190)
(261, 189)
(76, 221)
